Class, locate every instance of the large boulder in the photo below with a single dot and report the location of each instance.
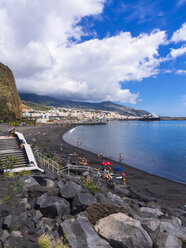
(121, 190)
(118, 201)
(147, 212)
(69, 190)
(101, 198)
(101, 210)
(52, 206)
(166, 232)
(29, 182)
(123, 231)
(166, 240)
(44, 180)
(150, 223)
(19, 242)
(81, 234)
(37, 190)
(81, 201)
(17, 222)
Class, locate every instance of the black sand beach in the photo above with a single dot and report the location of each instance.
(169, 193)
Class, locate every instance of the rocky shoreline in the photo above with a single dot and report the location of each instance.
(110, 216)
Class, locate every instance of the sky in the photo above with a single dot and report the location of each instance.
(131, 52)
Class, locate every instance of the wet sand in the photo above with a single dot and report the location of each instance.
(169, 193)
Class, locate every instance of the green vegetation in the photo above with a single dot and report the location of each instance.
(14, 189)
(20, 122)
(5, 97)
(46, 146)
(17, 174)
(90, 185)
(9, 163)
(23, 173)
(14, 123)
(10, 104)
(36, 106)
(45, 241)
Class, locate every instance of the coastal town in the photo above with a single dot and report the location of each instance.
(71, 115)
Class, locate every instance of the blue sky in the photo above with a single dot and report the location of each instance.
(130, 52)
(165, 92)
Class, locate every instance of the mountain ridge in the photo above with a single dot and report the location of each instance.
(104, 106)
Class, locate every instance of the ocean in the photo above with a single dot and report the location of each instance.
(158, 147)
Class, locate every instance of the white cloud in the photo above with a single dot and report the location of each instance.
(180, 34)
(181, 72)
(178, 52)
(35, 43)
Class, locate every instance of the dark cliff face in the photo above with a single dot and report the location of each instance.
(10, 103)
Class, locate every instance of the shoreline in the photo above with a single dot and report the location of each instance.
(134, 176)
(122, 164)
(169, 193)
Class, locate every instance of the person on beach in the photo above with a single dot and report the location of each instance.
(98, 173)
(100, 155)
(22, 143)
(120, 157)
(123, 178)
(85, 162)
(107, 176)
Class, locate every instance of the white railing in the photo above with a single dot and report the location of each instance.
(70, 167)
(31, 159)
(21, 137)
(49, 163)
(55, 168)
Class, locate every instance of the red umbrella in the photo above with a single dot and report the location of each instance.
(106, 163)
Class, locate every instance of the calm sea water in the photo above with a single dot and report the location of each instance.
(158, 147)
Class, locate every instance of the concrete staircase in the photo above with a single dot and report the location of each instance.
(11, 147)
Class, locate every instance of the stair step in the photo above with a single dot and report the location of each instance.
(19, 159)
(10, 151)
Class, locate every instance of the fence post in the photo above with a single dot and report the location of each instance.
(57, 169)
(52, 166)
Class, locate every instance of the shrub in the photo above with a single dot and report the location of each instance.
(44, 241)
(9, 162)
(14, 188)
(90, 185)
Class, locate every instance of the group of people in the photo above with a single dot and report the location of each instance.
(106, 173)
(83, 161)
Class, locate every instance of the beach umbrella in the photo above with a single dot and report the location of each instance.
(106, 163)
(118, 168)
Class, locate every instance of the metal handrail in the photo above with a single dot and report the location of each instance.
(54, 166)
(51, 164)
(79, 167)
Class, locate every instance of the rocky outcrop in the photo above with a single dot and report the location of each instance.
(66, 211)
(10, 103)
(123, 231)
(81, 234)
(52, 206)
(81, 201)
